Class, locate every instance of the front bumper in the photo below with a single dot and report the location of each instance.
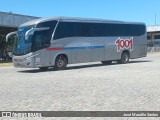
(25, 61)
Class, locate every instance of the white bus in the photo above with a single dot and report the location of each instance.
(58, 41)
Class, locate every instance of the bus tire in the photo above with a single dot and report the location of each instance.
(124, 58)
(106, 62)
(43, 68)
(60, 63)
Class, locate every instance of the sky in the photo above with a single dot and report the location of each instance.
(123, 10)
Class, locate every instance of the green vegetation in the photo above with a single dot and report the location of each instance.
(6, 46)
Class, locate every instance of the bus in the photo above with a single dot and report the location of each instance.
(58, 41)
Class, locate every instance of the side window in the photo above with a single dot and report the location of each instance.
(73, 29)
(65, 29)
(84, 29)
(98, 30)
(47, 33)
(135, 30)
(126, 30)
(40, 39)
(131, 30)
(90, 29)
(78, 29)
(117, 30)
(141, 29)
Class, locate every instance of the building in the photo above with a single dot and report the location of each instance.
(153, 38)
(14, 20)
(9, 22)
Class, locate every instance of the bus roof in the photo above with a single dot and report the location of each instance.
(75, 19)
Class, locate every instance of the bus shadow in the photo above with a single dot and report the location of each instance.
(99, 65)
(82, 66)
(140, 61)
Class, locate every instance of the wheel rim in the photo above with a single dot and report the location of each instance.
(60, 63)
(125, 57)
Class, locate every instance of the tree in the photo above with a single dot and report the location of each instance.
(3, 44)
(6, 46)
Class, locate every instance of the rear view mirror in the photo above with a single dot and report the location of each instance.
(10, 34)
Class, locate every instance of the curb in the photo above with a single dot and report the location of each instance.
(5, 64)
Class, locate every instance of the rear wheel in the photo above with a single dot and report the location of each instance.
(60, 63)
(43, 68)
(106, 62)
(124, 58)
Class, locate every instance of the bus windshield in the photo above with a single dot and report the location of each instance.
(35, 41)
(22, 46)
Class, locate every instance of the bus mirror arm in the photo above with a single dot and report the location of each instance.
(31, 31)
(28, 33)
(10, 34)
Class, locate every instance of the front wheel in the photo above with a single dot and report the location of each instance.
(124, 58)
(60, 63)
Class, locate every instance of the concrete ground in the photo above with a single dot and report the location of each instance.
(84, 87)
(5, 63)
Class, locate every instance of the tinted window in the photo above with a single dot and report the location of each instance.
(135, 30)
(47, 33)
(116, 30)
(84, 29)
(65, 29)
(41, 39)
(126, 30)
(73, 29)
(98, 29)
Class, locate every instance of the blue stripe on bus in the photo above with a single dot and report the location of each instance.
(85, 47)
